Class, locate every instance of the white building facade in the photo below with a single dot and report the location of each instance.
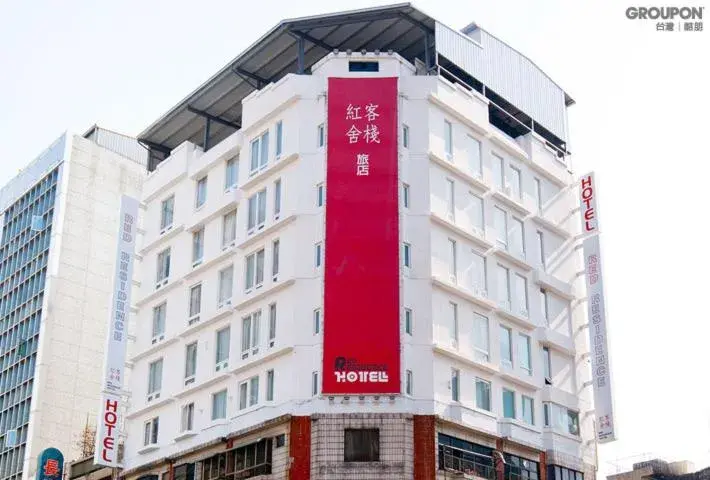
(227, 364)
(58, 233)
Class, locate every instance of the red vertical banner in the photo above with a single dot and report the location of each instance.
(361, 344)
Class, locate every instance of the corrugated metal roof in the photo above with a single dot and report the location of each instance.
(400, 27)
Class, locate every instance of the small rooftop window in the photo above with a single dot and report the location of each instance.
(364, 66)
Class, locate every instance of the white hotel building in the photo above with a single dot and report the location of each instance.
(226, 365)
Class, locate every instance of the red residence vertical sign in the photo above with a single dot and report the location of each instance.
(361, 344)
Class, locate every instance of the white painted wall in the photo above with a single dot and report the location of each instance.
(298, 102)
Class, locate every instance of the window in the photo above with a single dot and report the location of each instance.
(524, 353)
(506, 346)
(544, 305)
(195, 303)
(362, 445)
(163, 267)
(190, 362)
(159, 322)
(226, 284)
(222, 350)
(269, 385)
(166, 212)
(528, 410)
(254, 271)
(231, 173)
(201, 192)
(521, 295)
(155, 378)
(555, 472)
(483, 394)
(498, 179)
(448, 140)
(408, 321)
(475, 215)
(473, 147)
(250, 333)
(540, 250)
(272, 324)
(279, 138)
(521, 468)
(408, 382)
(314, 383)
(478, 274)
(321, 135)
(515, 183)
(150, 432)
(363, 66)
(277, 199)
(500, 219)
(450, 200)
(407, 255)
(503, 287)
(538, 195)
(455, 385)
(517, 242)
(249, 393)
(319, 254)
(187, 417)
(257, 211)
(259, 153)
(320, 194)
(452, 261)
(229, 229)
(405, 136)
(275, 260)
(481, 338)
(508, 403)
(547, 365)
(219, 405)
(198, 246)
(454, 324)
(316, 321)
(405, 195)
(560, 418)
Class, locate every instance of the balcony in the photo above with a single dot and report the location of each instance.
(545, 160)
(520, 432)
(473, 417)
(214, 208)
(553, 284)
(170, 171)
(555, 340)
(569, 445)
(519, 316)
(465, 464)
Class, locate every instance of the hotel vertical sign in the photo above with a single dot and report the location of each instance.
(106, 448)
(361, 344)
(596, 311)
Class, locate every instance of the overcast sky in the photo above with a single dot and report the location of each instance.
(641, 122)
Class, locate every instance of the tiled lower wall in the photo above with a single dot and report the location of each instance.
(328, 443)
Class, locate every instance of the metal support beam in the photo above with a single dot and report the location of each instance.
(303, 35)
(206, 140)
(155, 146)
(301, 55)
(260, 82)
(214, 118)
(419, 24)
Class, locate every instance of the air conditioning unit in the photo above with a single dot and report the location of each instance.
(189, 380)
(221, 366)
(245, 354)
(153, 396)
(193, 320)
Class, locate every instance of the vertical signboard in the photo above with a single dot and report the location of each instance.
(596, 312)
(106, 448)
(361, 344)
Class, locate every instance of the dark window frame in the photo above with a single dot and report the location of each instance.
(361, 445)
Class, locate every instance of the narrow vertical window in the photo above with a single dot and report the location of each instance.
(198, 246)
(476, 214)
(524, 353)
(275, 247)
(277, 199)
(314, 384)
(528, 410)
(409, 382)
(320, 195)
(279, 138)
(538, 195)
(547, 365)
(195, 303)
(481, 338)
(448, 140)
(455, 385)
(201, 192)
(498, 171)
(319, 254)
(521, 295)
(543, 305)
(405, 136)
(321, 135)
(503, 287)
(454, 309)
(269, 385)
(474, 157)
(231, 173)
(508, 403)
(166, 212)
(517, 238)
(483, 394)
(500, 218)
(316, 321)
(408, 321)
(540, 250)
(453, 267)
(272, 324)
(515, 184)
(506, 346)
(219, 405)
(226, 284)
(229, 229)
(405, 195)
(450, 200)
(407, 255)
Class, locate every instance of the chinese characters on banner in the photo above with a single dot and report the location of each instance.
(596, 312)
(106, 435)
(50, 465)
(361, 351)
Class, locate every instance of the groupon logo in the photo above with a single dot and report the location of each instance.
(665, 13)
